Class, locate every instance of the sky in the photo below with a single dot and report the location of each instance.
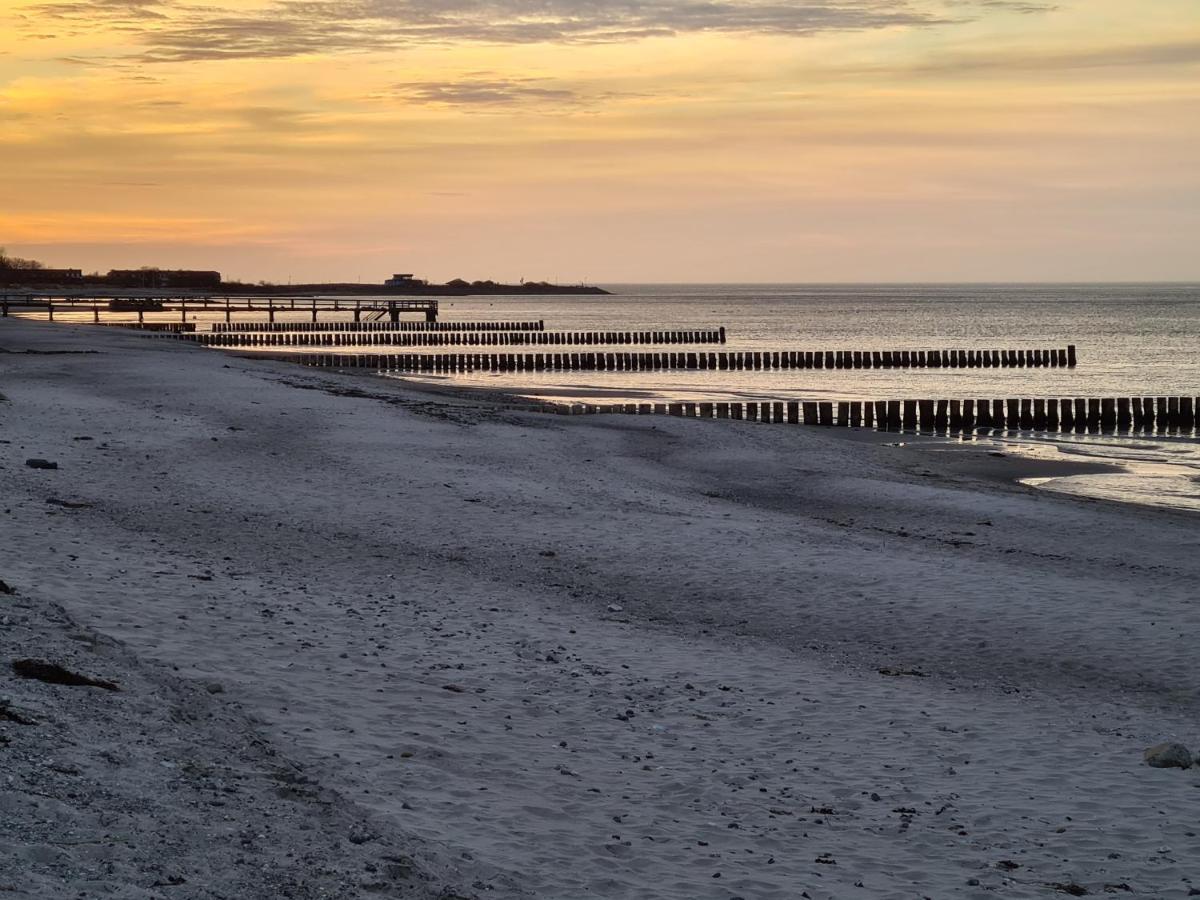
(606, 141)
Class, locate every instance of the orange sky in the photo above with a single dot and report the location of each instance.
(733, 140)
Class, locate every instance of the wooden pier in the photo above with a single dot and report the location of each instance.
(141, 302)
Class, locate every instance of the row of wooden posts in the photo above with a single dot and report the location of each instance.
(723, 360)
(453, 338)
(1078, 414)
(164, 327)
(379, 326)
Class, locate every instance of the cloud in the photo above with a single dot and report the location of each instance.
(493, 92)
(1163, 54)
(174, 32)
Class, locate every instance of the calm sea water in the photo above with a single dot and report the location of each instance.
(1132, 340)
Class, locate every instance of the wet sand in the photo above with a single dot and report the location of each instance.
(609, 656)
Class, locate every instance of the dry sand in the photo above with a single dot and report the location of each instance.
(553, 657)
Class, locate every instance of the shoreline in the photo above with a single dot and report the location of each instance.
(594, 653)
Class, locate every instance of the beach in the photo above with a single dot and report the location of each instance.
(559, 657)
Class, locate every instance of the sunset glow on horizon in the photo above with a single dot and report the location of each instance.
(860, 140)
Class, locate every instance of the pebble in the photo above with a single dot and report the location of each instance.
(1168, 755)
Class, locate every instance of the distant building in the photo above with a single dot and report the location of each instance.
(163, 278)
(40, 276)
(403, 279)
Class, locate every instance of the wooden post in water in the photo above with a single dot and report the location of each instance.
(925, 408)
(1187, 414)
(1123, 416)
(793, 412)
(941, 417)
(1071, 355)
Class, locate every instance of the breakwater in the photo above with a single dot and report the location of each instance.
(448, 338)
(1048, 414)
(694, 360)
(378, 325)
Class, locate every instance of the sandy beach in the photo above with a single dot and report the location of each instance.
(379, 641)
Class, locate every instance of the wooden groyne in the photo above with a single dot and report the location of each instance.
(380, 338)
(738, 360)
(164, 327)
(539, 325)
(1082, 415)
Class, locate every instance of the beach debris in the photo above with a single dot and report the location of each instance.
(1168, 755)
(6, 588)
(897, 673)
(454, 688)
(361, 834)
(1069, 887)
(215, 687)
(615, 608)
(41, 464)
(8, 714)
(1008, 865)
(52, 673)
(67, 504)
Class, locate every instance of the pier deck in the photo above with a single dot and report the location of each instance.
(141, 302)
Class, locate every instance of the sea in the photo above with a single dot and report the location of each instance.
(1131, 339)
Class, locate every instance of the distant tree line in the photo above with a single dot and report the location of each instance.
(16, 262)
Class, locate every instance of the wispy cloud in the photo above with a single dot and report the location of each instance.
(170, 31)
(493, 92)
(1173, 53)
